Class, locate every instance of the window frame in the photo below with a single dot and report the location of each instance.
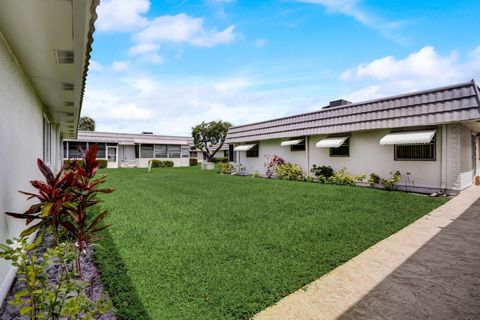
(432, 143)
(184, 151)
(301, 144)
(142, 151)
(345, 144)
(157, 147)
(254, 152)
(169, 153)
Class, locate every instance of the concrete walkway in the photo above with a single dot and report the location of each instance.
(428, 270)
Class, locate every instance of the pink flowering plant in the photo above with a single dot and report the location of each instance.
(271, 163)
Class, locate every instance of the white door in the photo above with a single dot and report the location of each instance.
(112, 157)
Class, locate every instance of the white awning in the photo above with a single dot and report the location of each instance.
(333, 142)
(244, 147)
(411, 137)
(291, 142)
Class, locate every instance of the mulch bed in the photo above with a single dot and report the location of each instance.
(90, 275)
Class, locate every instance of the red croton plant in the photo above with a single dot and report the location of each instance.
(66, 200)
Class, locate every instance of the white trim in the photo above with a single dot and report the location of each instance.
(333, 142)
(410, 137)
(291, 142)
(244, 147)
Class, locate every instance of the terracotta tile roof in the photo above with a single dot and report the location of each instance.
(454, 103)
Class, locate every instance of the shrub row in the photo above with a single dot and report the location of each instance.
(193, 162)
(102, 163)
(220, 160)
(162, 164)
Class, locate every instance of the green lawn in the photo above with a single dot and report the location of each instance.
(191, 244)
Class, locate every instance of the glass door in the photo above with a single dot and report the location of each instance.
(112, 157)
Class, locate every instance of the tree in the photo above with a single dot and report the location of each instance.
(209, 137)
(86, 124)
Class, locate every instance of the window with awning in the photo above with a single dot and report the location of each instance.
(412, 145)
(332, 142)
(294, 144)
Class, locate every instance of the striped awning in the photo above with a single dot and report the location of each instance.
(333, 142)
(410, 137)
(291, 142)
(244, 147)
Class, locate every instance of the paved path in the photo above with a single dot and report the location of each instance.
(428, 270)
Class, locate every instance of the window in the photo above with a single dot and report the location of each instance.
(65, 149)
(146, 151)
(161, 151)
(47, 140)
(298, 147)
(174, 151)
(75, 149)
(416, 151)
(230, 153)
(137, 151)
(253, 152)
(185, 151)
(342, 151)
(101, 150)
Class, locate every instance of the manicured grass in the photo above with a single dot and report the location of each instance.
(192, 244)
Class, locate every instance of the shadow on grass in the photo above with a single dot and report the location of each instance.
(116, 281)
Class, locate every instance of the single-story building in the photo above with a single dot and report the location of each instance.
(129, 150)
(44, 54)
(430, 136)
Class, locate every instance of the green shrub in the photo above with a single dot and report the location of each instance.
(44, 297)
(193, 162)
(322, 171)
(254, 175)
(341, 177)
(360, 177)
(391, 184)
(102, 163)
(162, 164)
(220, 160)
(289, 171)
(224, 168)
(373, 180)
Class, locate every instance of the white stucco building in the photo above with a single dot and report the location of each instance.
(128, 150)
(44, 54)
(431, 137)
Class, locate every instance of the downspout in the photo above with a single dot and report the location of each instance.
(443, 160)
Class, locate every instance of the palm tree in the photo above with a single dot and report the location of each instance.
(86, 124)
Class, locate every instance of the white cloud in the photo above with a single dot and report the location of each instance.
(121, 15)
(119, 65)
(95, 66)
(180, 28)
(419, 70)
(353, 9)
(174, 105)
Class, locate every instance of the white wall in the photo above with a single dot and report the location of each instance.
(466, 166)
(21, 126)
(269, 148)
(366, 156)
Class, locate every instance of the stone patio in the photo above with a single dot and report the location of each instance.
(428, 270)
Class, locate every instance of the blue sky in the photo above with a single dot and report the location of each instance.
(164, 66)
